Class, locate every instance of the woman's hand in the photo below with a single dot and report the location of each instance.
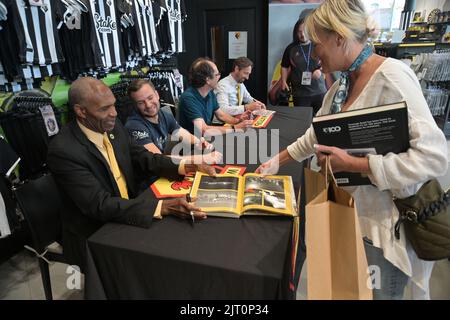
(340, 160)
(268, 168)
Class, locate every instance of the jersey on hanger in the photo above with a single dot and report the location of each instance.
(40, 30)
(106, 30)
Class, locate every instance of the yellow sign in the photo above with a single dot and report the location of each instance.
(261, 121)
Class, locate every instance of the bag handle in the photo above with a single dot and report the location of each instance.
(329, 171)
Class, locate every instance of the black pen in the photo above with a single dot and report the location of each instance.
(189, 200)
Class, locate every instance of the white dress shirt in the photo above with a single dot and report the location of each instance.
(401, 174)
(226, 93)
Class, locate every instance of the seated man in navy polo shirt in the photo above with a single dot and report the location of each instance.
(198, 104)
(150, 126)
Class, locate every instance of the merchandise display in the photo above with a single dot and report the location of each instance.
(87, 37)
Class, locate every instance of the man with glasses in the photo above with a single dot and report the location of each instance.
(198, 104)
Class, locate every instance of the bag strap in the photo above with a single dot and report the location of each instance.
(416, 216)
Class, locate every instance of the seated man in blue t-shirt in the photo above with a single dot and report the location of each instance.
(198, 104)
(150, 126)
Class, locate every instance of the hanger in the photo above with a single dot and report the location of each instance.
(3, 12)
(78, 4)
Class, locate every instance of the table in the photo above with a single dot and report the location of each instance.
(219, 258)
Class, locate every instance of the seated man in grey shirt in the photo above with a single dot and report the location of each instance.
(232, 95)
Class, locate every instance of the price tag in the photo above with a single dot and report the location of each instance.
(178, 78)
(49, 120)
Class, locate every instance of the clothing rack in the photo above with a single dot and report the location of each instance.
(124, 105)
(24, 126)
(131, 77)
(163, 67)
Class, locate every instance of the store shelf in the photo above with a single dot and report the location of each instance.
(438, 23)
(420, 44)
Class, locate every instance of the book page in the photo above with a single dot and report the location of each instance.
(271, 194)
(165, 188)
(217, 194)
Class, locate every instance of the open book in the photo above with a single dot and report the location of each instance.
(261, 118)
(251, 194)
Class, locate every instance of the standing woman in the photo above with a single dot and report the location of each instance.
(302, 71)
(340, 29)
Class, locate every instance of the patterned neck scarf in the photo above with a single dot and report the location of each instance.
(344, 83)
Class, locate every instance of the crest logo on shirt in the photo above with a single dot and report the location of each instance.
(139, 135)
(174, 14)
(104, 25)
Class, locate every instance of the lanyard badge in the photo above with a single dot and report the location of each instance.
(306, 75)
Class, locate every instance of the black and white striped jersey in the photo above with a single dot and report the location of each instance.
(106, 29)
(145, 27)
(39, 31)
(78, 41)
(162, 25)
(13, 48)
(177, 14)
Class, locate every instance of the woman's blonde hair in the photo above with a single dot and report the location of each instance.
(347, 18)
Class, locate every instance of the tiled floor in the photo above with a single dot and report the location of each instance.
(20, 279)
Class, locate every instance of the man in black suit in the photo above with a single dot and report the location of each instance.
(97, 167)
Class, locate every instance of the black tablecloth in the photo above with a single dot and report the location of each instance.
(219, 258)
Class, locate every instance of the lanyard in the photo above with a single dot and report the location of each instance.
(309, 56)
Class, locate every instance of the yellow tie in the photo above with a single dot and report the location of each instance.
(238, 88)
(120, 180)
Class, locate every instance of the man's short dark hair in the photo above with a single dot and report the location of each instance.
(200, 71)
(295, 38)
(136, 85)
(242, 62)
(301, 19)
(80, 90)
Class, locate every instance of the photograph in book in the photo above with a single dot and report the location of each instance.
(251, 194)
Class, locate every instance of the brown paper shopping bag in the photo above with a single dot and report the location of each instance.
(335, 256)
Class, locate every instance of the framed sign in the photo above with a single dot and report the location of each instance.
(237, 44)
